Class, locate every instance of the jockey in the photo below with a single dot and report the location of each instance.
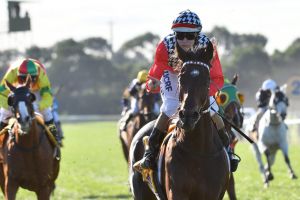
(131, 92)
(163, 77)
(262, 97)
(40, 86)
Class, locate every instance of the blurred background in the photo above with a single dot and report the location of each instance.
(92, 49)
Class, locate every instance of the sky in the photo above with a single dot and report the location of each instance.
(119, 20)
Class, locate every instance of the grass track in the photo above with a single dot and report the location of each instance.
(93, 167)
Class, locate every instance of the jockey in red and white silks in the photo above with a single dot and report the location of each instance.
(161, 70)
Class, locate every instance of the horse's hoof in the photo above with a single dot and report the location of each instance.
(293, 176)
(270, 176)
(266, 185)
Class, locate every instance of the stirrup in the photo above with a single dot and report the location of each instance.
(234, 161)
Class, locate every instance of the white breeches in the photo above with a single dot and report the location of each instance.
(170, 95)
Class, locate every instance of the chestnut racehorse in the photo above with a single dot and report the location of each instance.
(28, 155)
(146, 103)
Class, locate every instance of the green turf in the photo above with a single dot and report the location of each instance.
(93, 167)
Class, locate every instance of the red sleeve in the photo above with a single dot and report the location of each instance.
(160, 63)
(216, 75)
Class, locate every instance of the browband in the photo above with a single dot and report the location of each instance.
(196, 63)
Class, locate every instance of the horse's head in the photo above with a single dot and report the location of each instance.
(279, 103)
(230, 101)
(146, 102)
(194, 81)
(21, 101)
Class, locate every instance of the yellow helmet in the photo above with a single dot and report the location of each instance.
(142, 76)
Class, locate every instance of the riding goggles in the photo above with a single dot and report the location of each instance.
(187, 35)
(22, 79)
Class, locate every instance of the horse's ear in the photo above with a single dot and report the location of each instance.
(205, 55)
(28, 81)
(235, 79)
(10, 86)
(209, 52)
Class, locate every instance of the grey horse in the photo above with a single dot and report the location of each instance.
(272, 136)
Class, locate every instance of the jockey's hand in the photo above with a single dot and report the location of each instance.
(153, 83)
(143, 86)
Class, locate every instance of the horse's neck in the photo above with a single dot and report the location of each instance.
(201, 138)
(271, 118)
(31, 138)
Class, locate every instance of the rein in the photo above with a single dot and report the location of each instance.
(235, 127)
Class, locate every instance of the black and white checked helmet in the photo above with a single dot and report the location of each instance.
(187, 21)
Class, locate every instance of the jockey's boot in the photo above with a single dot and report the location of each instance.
(234, 160)
(52, 128)
(125, 121)
(155, 139)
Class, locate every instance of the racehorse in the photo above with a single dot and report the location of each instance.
(230, 101)
(28, 156)
(272, 136)
(146, 103)
(193, 163)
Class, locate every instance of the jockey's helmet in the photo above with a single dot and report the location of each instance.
(28, 67)
(187, 21)
(142, 76)
(269, 84)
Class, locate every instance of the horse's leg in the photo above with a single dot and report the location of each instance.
(44, 193)
(259, 161)
(2, 179)
(124, 146)
(231, 189)
(288, 163)
(11, 188)
(268, 166)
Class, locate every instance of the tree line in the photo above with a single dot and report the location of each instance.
(90, 77)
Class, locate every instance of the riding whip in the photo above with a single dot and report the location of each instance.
(233, 126)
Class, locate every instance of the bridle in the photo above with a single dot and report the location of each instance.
(201, 111)
(22, 101)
